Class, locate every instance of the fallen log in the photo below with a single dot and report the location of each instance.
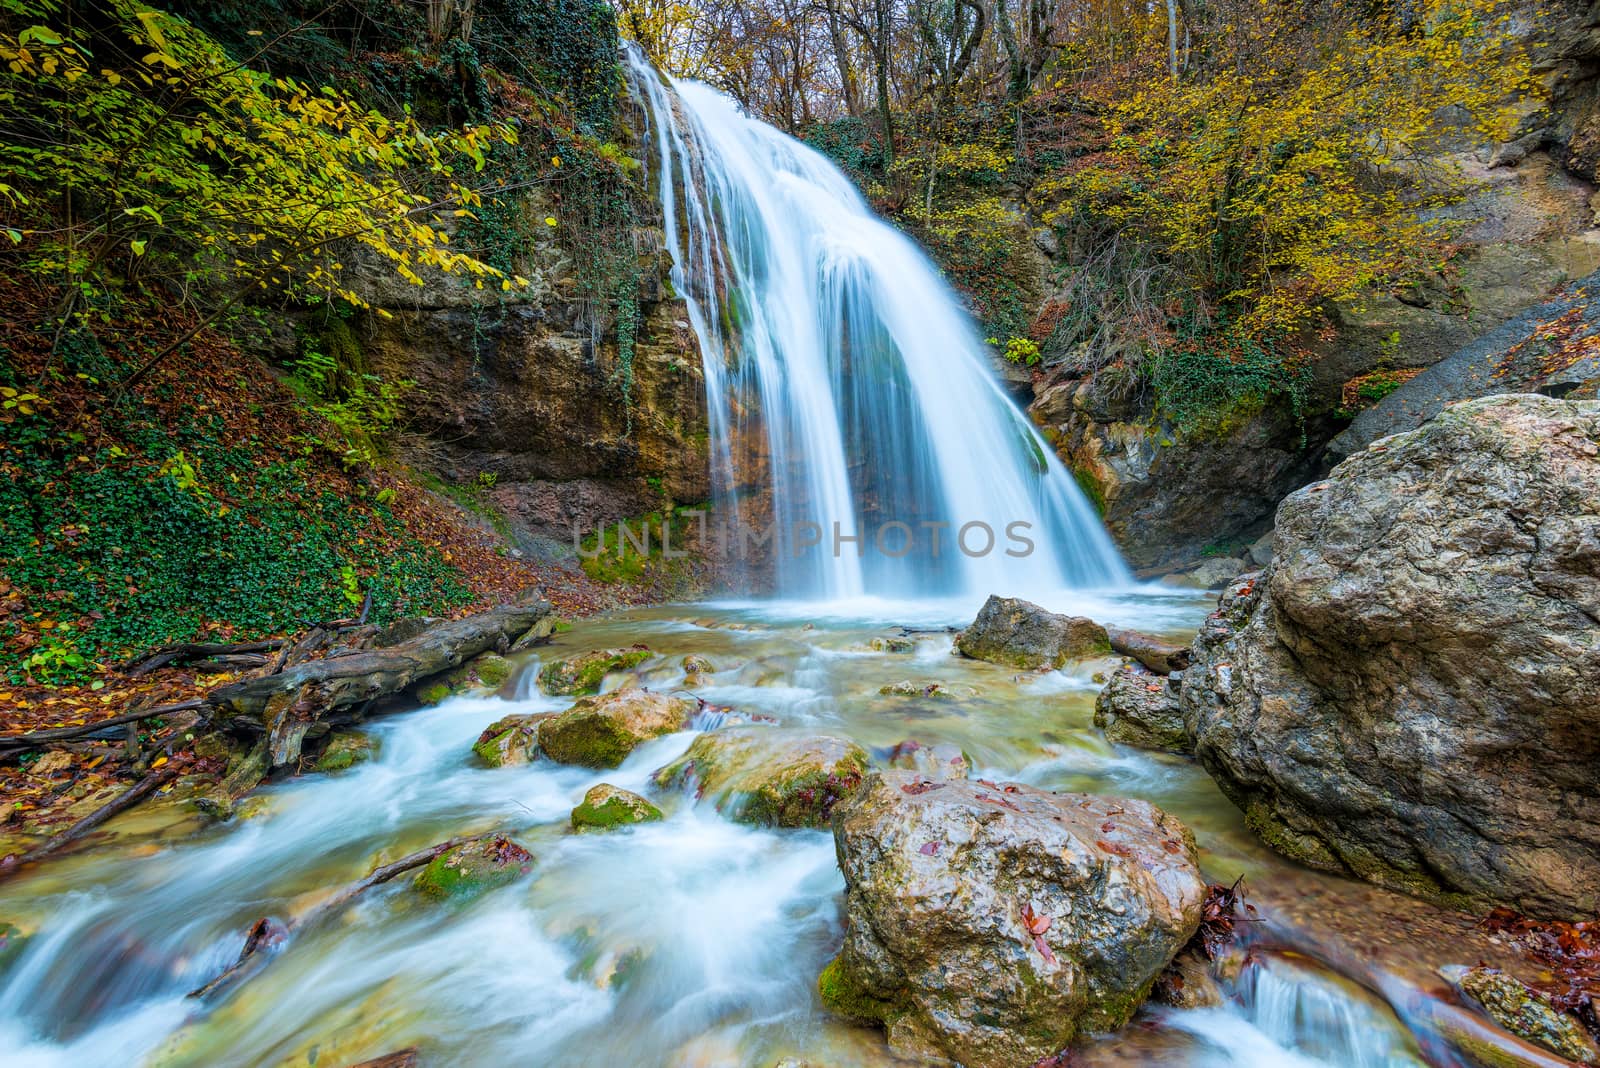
(267, 936)
(121, 803)
(1162, 657)
(186, 652)
(36, 739)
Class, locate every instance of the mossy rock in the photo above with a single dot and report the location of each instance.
(843, 996)
(892, 645)
(346, 749)
(583, 674)
(600, 731)
(606, 807)
(1527, 1014)
(768, 776)
(473, 868)
(511, 740)
(695, 664)
(12, 942)
(941, 690)
(487, 671)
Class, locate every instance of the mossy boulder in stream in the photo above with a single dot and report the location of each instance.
(1020, 634)
(474, 867)
(606, 807)
(511, 740)
(487, 671)
(991, 924)
(1526, 1013)
(584, 673)
(346, 749)
(600, 732)
(770, 776)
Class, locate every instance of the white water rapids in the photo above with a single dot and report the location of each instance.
(836, 354)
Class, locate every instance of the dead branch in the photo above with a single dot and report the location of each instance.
(132, 796)
(185, 652)
(20, 742)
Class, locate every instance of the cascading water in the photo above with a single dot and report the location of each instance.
(840, 367)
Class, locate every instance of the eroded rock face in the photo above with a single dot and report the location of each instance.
(770, 776)
(600, 732)
(1140, 708)
(1410, 692)
(990, 924)
(1018, 633)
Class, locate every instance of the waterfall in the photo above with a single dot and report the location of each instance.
(845, 383)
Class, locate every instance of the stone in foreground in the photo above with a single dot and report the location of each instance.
(990, 924)
(511, 740)
(1526, 1014)
(600, 732)
(1020, 634)
(1140, 708)
(584, 673)
(1410, 692)
(769, 776)
(606, 807)
(474, 867)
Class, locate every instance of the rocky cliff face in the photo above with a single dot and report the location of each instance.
(1169, 494)
(1410, 692)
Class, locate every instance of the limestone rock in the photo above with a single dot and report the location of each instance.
(1410, 692)
(770, 776)
(606, 807)
(991, 924)
(1018, 633)
(474, 867)
(511, 740)
(600, 732)
(584, 673)
(1526, 1014)
(1142, 709)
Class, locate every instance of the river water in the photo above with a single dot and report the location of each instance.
(694, 941)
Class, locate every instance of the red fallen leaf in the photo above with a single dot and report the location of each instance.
(1044, 949)
(929, 849)
(921, 787)
(1013, 788)
(1108, 826)
(1170, 846)
(1112, 847)
(1002, 802)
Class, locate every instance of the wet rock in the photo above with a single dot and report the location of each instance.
(1188, 983)
(1527, 1014)
(1410, 692)
(930, 761)
(991, 924)
(346, 749)
(1020, 634)
(606, 807)
(511, 740)
(892, 645)
(474, 867)
(695, 664)
(583, 674)
(600, 732)
(1157, 654)
(945, 690)
(1211, 575)
(12, 941)
(770, 776)
(1259, 554)
(1142, 709)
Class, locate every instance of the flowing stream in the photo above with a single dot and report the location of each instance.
(695, 941)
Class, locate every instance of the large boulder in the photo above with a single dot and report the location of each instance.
(1137, 707)
(600, 732)
(1020, 634)
(1410, 692)
(990, 924)
(770, 776)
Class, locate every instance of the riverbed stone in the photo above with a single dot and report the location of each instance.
(606, 807)
(583, 674)
(486, 671)
(990, 924)
(1140, 708)
(511, 740)
(346, 749)
(1410, 691)
(770, 776)
(1528, 1014)
(930, 761)
(892, 644)
(600, 731)
(1021, 634)
(474, 867)
(928, 688)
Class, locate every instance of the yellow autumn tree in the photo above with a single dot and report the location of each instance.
(1297, 162)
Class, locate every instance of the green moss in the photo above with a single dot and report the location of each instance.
(473, 868)
(805, 799)
(432, 693)
(583, 674)
(345, 750)
(492, 670)
(587, 740)
(604, 809)
(1091, 487)
(843, 995)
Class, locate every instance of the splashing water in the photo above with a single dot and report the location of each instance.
(843, 377)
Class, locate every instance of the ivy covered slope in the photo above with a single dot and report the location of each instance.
(268, 269)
